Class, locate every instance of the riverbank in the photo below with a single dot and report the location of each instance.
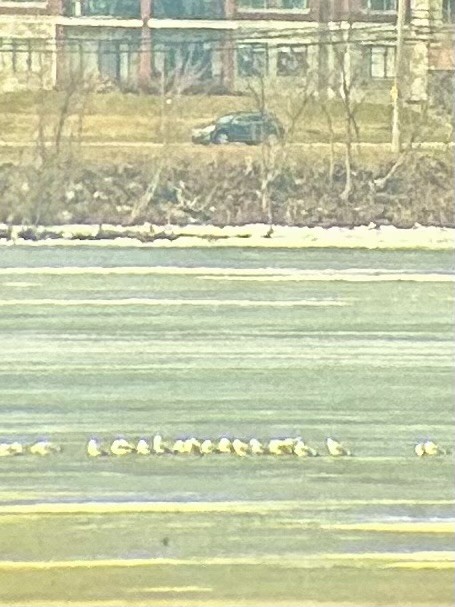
(312, 193)
(116, 116)
(251, 236)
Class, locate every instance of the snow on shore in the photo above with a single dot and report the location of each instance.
(254, 235)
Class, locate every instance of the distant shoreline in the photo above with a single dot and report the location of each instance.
(247, 236)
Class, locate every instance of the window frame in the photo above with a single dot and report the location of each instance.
(253, 46)
(302, 68)
(382, 11)
(387, 50)
(448, 11)
(204, 9)
(24, 4)
(266, 8)
(93, 9)
(25, 56)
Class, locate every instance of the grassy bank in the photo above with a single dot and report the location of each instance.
(137, 118)
(371, 155)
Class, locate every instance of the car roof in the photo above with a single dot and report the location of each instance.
(252, 113)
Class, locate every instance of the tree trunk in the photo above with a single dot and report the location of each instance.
(348, 161)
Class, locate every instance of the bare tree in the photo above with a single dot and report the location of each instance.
(274, 148)
(351, 97)
(397, 92)
(60, 120)
(441, 102)
(325, 108)
(418, 129)
(188, 73)
(58, 137)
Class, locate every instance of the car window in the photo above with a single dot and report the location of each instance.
(241, 119)
(225, 119)
(261, 118)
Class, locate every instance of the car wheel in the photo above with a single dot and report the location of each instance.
(221, 138)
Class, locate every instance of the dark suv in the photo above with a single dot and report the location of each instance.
(252, 128)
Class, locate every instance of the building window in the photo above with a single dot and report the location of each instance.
(252, 60)
(448, 11)
(76, 57)
(109, 59)
(292, 60)
(187, 63)
(113, 60)
(382, 62)
(271, 5)
(188, 9)
(382, 6)
(128, 9)
(20, 56)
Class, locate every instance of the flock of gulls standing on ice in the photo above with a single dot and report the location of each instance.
(193, 446)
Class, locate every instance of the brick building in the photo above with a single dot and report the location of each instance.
(220, 44)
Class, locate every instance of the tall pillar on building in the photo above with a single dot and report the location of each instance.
(228, 61)
(59, 58)
(354, 8)
(230, 9)
(55, 7)
(323, 21)
(436, 11)
(442, 56)
(426, 12)
(145, 55)
(228, 48)
(420, 13)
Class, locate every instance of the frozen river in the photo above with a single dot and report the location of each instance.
(263, 343)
